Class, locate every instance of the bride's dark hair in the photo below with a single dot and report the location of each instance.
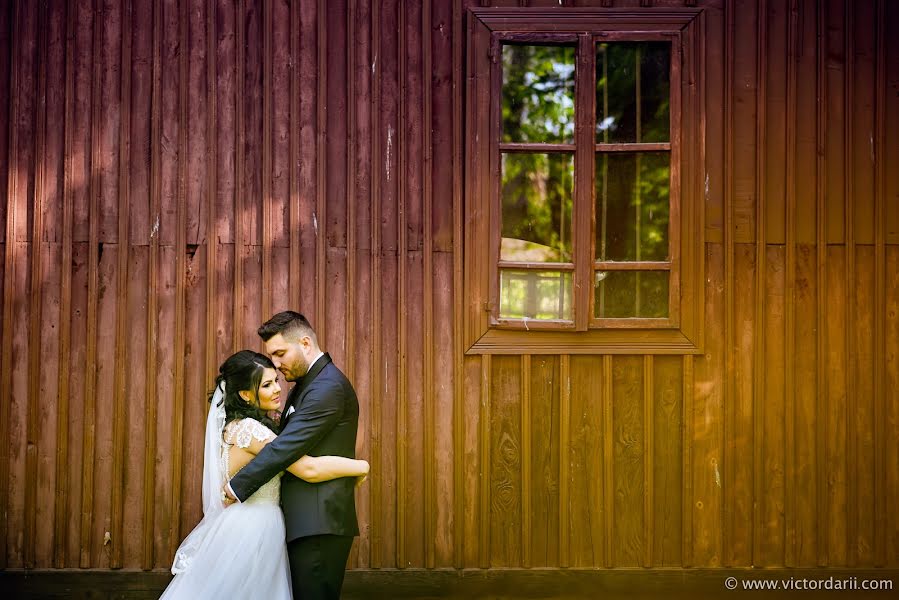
(243, 371)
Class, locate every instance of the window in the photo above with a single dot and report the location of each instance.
(583, 224)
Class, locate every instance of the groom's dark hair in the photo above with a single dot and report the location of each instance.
(289, 324)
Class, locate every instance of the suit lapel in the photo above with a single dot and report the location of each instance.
(295, 399)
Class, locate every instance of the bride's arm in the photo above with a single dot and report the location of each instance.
(316, 469)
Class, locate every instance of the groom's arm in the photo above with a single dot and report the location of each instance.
(321, 410)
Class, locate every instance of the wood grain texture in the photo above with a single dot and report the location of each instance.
(175, 171)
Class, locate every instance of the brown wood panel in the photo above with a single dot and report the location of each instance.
(806, 120)
(773, 395)
(744, 123)
(739, 491)
(446, 493)
(863, 419)
(586, 463)
(835, 426)
(629, 447)
(891, 399)
(860, 85)
(505, 461)
(708, 450)
(544, 476)
(807, 418)
(472, 466)
(835, 144)
(181, 171)
(773, 64)
(668, 451)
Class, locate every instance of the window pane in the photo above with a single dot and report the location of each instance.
(535, 294)
(632, 206)
(538, 93)
(623, 294)
(632, 92)
(536, 210)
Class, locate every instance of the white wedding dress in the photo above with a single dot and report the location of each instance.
(238, 552)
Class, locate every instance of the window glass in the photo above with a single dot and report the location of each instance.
(538, 93)
(632, 206)
(534, 294)
(536, 207)
(632, 92)
(624, 294)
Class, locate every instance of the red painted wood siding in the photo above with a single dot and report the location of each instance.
(174, 172)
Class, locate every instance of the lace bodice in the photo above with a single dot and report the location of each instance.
(241, 433)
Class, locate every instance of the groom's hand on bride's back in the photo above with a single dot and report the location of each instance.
(227, 497)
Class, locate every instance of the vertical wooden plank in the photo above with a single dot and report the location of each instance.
(150, 475)
(60, 538)
(709, 521)
(90, 392)
(773, 397)
(35, 298)
(851, 361)
(648, 471)
(821, 445)
(743, 440)
(760, 325)
(376, 559)
(891, 395)
(401, 287)
(212, 244)
(526, 441)
(608, 462)
(505, 444)
(807, 421)
(471, 450)
(881, 451)
(360, 198)
(585, 460)
(630, 444)
(667, 382)
(319, 217)
(351, 249)
(545, 402)
(237, 284)
(564, 458)
(790, 476)
(430, 423)
(266, 201)
(458, 304)
(122, 316)
(484, 502)
(687, 393)
(728, 391)
(836, 488)
(293, 287)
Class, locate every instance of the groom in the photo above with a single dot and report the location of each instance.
(320, 418)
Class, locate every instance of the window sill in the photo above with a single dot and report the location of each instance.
(635, 341)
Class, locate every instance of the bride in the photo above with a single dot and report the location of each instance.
(240, 552)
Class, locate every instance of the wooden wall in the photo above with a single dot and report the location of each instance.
(175, 172)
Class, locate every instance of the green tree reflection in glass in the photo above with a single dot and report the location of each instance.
(537, 107)
(538, 93)
(633, 92)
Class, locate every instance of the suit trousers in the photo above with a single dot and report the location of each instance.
(317, 565)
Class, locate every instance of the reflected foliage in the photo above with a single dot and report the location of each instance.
(538, 93)
(536, 207)
(632, 106)
(632, 206)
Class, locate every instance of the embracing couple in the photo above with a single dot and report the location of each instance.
(238, 550)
